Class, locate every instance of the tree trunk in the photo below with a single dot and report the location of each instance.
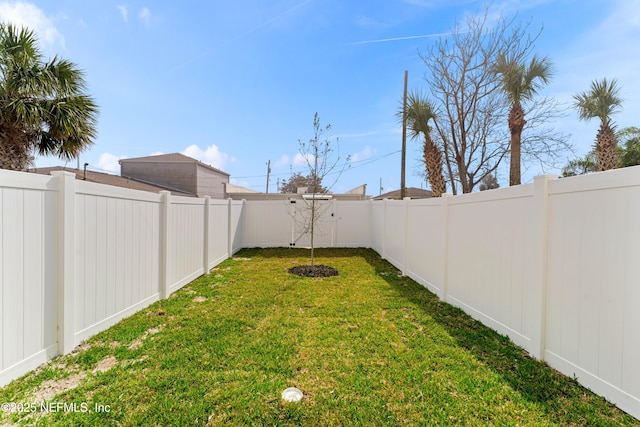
(606, 143)
(433, 163)
(15, 152)
(313, 222)
(516, 124)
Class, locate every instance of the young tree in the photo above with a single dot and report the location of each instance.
(601, 101)
(419, 113)
(322, 157)
(520, 83)
(43, 105)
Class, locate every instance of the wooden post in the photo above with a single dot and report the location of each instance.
(268, 174)
(403, 187)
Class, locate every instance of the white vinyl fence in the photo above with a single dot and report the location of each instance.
(76, 257)
(551, 264)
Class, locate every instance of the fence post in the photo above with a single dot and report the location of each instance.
(371, 226)
(165, 244)
(229, 232)
(384, 229)
(539, 261)
(66, 260)
(205, 249)
(405, 236)
(445, 246)
(334, 223)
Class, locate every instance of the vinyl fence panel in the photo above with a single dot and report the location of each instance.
(218, 232)
(352, 223)
(426, 243)
(187, 241)
(27, 272)
(488, 258)
(268, 223)
(117, 236)
(593, 321)
(394, 231)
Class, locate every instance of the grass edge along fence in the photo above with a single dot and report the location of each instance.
(370, 346)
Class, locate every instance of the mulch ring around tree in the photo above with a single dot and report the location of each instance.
(313, 271)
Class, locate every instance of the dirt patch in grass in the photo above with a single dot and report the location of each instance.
(49, 389)
(313, 271)
(105, 364)
(137, 343)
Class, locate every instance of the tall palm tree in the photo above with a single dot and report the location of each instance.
(43, 106)
(419, 113)
(520, 83)
(601, 101)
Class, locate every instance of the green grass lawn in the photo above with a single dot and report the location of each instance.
(367, 347)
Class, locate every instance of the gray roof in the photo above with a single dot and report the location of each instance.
(412, 192)
(108, 179)
(170, 158)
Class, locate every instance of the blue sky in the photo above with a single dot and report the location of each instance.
(235, 84)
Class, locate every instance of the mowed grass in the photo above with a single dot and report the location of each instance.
(367, 347)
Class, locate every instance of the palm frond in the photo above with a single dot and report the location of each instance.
(45, 102)
(419, 113)
(520, 82)
(601, 101)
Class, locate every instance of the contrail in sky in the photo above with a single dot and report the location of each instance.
(398, 38)
(241, 35)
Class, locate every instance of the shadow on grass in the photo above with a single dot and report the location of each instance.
(564, 400)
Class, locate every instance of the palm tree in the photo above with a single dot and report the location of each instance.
(601, 102)
(520, 83)
(419, 113)
(581, 165)
(43, 106)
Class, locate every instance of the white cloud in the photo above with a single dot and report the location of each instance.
(30, 16)
(362, 155)
(283, 161)
(145, 16)
(210, 156)
(368, 22)
(124, 12)
(109, 162)
(303, 160)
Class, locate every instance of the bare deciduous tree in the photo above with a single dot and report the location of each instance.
(470, 105)
(322, 157)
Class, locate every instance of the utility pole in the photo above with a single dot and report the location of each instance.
(268, 173)
(403, 188)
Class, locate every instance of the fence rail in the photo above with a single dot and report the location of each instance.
(550, 264)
